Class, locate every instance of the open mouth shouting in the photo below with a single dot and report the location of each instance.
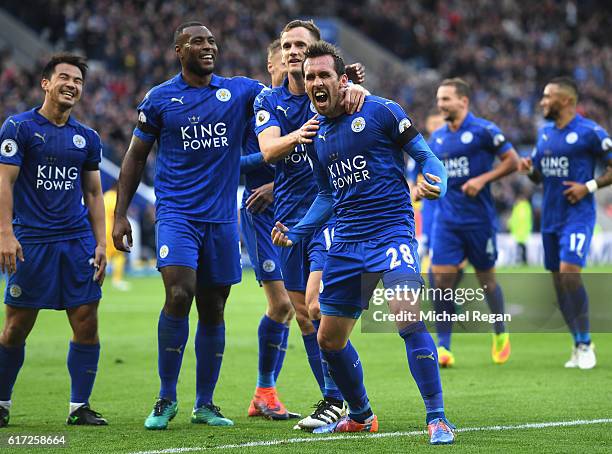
(321, 98)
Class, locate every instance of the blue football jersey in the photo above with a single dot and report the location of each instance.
(263, 174)
(294, 186)
(200, 131)
(359, 159)
(47, 196)
(466, 153)
(569, 154)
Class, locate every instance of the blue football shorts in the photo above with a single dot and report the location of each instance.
(570, 244)
(212, 249)
(353, 269)
(256, 232)
(451, 245)
(55, 275)
(308, 255)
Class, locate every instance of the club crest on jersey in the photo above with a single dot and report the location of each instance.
(358, 124)
(498, 139)
(606, 144)
(142, 117)
(15, 291)
(269, 266)
(262, 117)
(223, 94)
(404, 124)
(163, 251)
(571, 138)
(8, 148)
(467, 137)
(79, 141)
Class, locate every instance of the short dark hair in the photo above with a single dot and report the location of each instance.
(307, 24)
(181, 28)
(461, 86)
(274, 46)
(566, 82)
(323, 48)
(71, 59)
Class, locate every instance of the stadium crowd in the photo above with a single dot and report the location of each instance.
(505, 49)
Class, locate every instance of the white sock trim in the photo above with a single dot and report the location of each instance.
(6, 404)
(74, 406)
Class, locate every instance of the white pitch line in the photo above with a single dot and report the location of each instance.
(253, 444)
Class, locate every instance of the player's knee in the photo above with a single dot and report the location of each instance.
(280, 310)
(328, 340)
(13, 335)
(178, 301)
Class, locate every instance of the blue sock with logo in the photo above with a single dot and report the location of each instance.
(314, 358)
(423, 362)
(11, 360)
(281, 355)
(495, 301)
(270, 334)
(209, 348)
(579, 299)
(331, 391)
(82, 366)
(345, 368)
(172, 335)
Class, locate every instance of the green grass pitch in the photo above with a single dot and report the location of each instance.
(532, 387)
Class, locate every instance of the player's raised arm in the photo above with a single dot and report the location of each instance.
(275, 147)
(10, 248)
(94, 201)
(434, 182)
(132, 168)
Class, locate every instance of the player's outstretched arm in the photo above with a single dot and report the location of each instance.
(94, 201)
(10, 248)
(509, 163)
(275, 147)
(132, 167)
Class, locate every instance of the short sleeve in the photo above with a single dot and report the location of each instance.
(149, 121)
(94, 152)
(265, 111)
(496, 141)
(12, 142)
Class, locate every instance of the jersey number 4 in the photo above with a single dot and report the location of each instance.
(404, 251)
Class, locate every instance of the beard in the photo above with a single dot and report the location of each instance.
(552, 114)
(193, 66)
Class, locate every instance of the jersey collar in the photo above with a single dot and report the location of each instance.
(215, 81)
(41, 120)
